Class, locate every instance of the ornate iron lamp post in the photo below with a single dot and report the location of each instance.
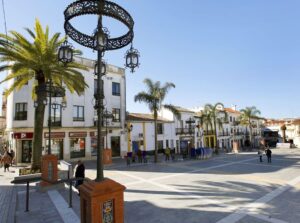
(101, 42)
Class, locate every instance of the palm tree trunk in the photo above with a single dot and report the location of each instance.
(215, 142)
(155, 137)
(38, 132)
(250, 133)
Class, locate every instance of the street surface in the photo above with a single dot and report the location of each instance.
(229, 188)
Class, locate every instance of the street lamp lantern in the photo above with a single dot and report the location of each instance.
(132, 58)
(65, 52)
(103, 68)
(100, 38)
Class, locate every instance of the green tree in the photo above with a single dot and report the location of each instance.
(36, 59)
(154, 97)
(215, 116)
(247, 114)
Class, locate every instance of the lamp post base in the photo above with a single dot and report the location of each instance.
(107, 156)
(102, 202)
(49, 169)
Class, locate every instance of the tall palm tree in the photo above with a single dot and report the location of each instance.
(218, 116)
(247, 114)
(36, 59)
(154, 97)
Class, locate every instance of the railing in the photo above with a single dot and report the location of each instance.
(37, 177)
(183, 131)
(220, 134)
(209, 132)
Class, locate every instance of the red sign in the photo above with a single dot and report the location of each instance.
(77, 134)
(23, 135)
(55, 135)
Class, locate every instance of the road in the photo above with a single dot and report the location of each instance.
(226, 189)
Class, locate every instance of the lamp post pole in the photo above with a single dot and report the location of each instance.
(49, 118)
(99, 116)
(101, 43)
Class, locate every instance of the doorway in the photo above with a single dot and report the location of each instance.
(26, 151)
(115, 146)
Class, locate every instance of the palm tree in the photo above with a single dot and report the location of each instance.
(37, 60)
(154, 97)
(217, 117)
(247, 114)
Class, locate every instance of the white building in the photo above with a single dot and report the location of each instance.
(73, 133)
(140, 132)
(292, 131)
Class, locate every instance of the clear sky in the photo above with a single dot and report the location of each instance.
(237, 52)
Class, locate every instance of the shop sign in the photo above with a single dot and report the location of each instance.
(55, 135)
(77, 134)
(23, 135)
(94, 134)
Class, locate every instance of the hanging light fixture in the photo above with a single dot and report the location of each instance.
(100, 39)
(103, 68)
(132, 58)
(65, 52)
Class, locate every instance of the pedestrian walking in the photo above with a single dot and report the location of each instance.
(260, 154)
(269, 155)
(80, 172)
(6, 159)
(12, 154)
(167, 153)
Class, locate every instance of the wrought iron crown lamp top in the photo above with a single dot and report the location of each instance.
(107, 8)
(132, 57)
(65, 52)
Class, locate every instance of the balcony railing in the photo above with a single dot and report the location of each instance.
(185, 131)
(220, 134)
(209, 132)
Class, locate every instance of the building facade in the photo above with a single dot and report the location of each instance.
(73, 134)
(140, 133)
(275, 132)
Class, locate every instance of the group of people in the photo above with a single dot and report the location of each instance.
(268, 153)
(7, 159)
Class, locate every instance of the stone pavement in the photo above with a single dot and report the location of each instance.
(8, 195)
(230, 188)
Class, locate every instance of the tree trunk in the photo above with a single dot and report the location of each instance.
(216, 137)
(283, 136)
(155, 137)
(38, 132)
(250, 134)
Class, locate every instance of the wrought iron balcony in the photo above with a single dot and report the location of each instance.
(221, 134)
(185, 131)
(209, 132)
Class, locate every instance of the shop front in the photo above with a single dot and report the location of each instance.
(57, 144)
(23, 146)
(93, 137)
(77, 144)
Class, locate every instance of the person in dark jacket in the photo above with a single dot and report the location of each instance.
(79, 173)
(269, 155)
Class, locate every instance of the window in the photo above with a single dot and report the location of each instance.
(77, 147)
(116, 112)
(116, 89)
(78, 113)
(230, 118)
(21, 111)
(160, 129)
(56, 115)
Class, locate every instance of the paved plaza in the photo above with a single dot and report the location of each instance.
(228, 188)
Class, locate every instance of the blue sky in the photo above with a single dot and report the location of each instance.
(236, 52)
